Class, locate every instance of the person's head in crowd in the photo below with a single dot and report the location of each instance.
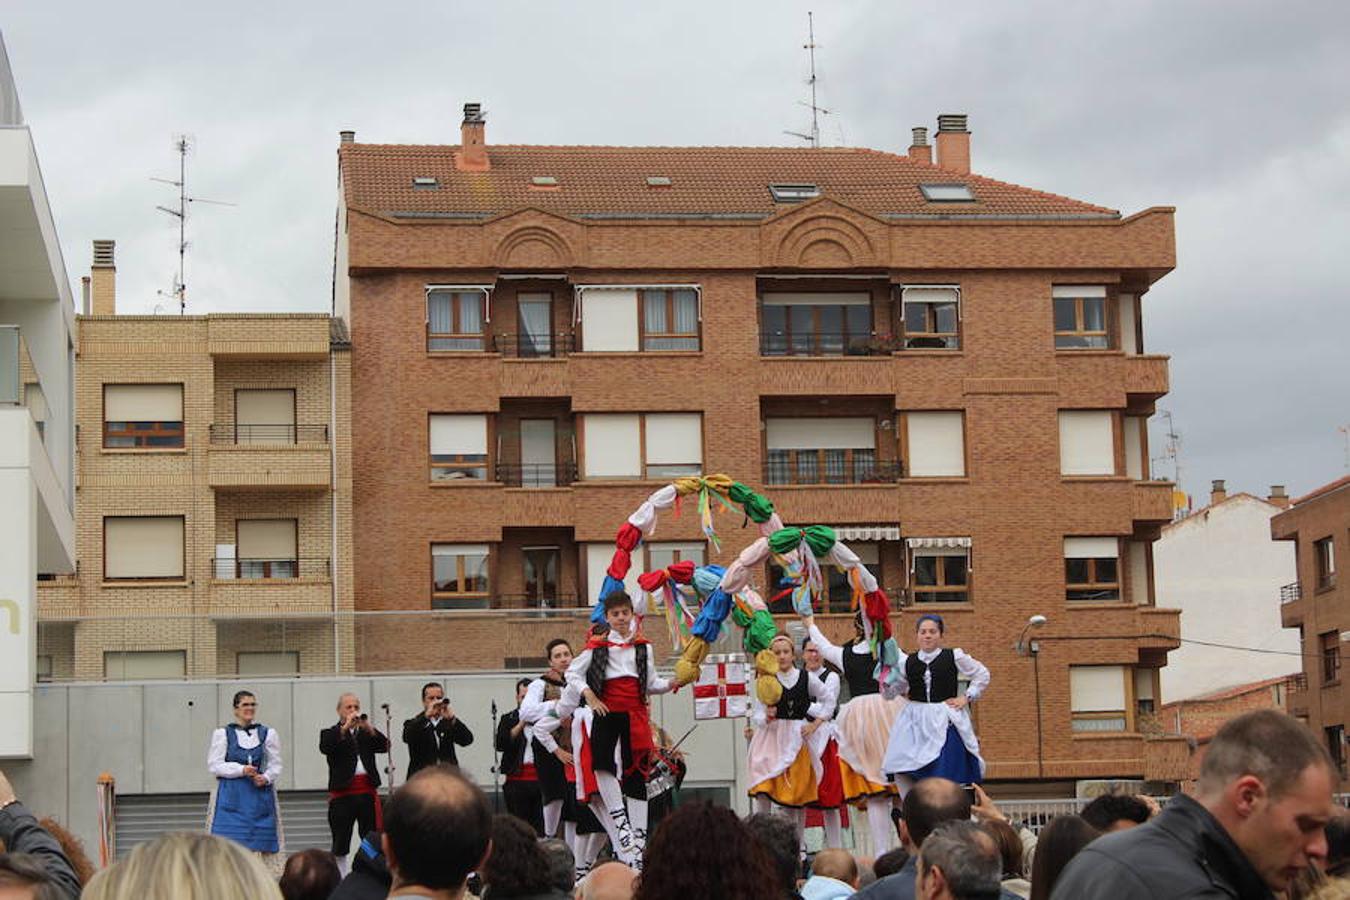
(23, 877)
(1115, 812)
(1268, 782)
(1338, 843)
(834, 874)
(607, 881)
(185, 866)
(1059, 841)
(1331, 889)
(348, 707)
(72, 847)
(958, 861)
(1009, 846)
(245, 708)
(522, 685)
(517, 866)
(778, 836)
(927, 805)
(437, 829)
(702, 850)
(890, 862)
(559, 655)
(562, 864)
(619, 612)
(310, 875)
(866, 874)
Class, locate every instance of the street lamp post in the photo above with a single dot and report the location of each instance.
(1033, 649)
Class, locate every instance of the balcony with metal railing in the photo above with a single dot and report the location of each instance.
(533, 346)
(830, 467)
(827, 343)
(258, 586)
(537, 475)
(1291, 592)
(276, 457)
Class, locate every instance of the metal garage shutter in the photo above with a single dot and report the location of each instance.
(144, 817)
(304, 820)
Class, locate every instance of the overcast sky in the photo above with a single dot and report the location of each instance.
(1237, 113)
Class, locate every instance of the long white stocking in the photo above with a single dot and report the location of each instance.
(552, 816)
(590, 845)
(570, 836)
(799, 822)
(637, 815)
(879, 823)
(616, 812)
(602, 813)
(834, 829)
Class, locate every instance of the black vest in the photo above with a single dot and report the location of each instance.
(795, 699)
(943, 673)
(858, 668)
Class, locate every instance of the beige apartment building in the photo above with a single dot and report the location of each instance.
(214, 497)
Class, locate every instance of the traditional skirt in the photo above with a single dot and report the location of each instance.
(864, 727)
(781, 765)
(934, 740)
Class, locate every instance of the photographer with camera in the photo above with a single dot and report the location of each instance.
(432, 734)
(353, 777)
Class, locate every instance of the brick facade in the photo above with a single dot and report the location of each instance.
(1007, 379)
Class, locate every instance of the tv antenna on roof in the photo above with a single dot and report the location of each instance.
(816, 110)
(182, 144)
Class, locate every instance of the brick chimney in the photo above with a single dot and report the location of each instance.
(953, 143)
(1278, 496)
(921, 150)
(347, 137)
(1217, 492)
(103, 280)
(473, 156)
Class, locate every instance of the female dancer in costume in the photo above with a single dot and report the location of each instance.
(825, 747)
(862, 728)
(933, 736)
(782, 769)
(245, 758)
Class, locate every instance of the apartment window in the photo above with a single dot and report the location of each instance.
(669, 319)
(266, 548)
(935, 444)
(1335, 736)
(939, 570)
(1324, 557)
(661, 555)
(459, 576)
(1145, 692)
(458, 447)
(816, 324)
(284, 662)
(143, 548)
(1087, 443)
(455, 319)
(1330, 645)
(597, 557)
(142, 416)
(144, 665)
(264, 416)
(838, 590)
(1080, 317)
(1135, 437)
(1097, 699)
(835, 450)
(642, 445)
(1092, 568)
(932, 317)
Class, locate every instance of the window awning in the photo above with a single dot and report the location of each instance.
(937, 543)
(486, 290)
(848, 533)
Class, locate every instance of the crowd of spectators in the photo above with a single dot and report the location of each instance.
(1260, 824)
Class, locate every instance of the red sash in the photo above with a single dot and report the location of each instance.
(526, 772)
(361, 784)
(622, 695)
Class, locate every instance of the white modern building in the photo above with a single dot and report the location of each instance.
(37, 423)
(1219, 566)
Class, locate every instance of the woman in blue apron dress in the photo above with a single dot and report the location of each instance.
(245, 758)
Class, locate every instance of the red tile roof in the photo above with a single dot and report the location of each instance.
(720, 181)
(1324, 489)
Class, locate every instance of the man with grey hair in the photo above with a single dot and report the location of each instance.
(959, 861)
(1258, 819)
(353, 777)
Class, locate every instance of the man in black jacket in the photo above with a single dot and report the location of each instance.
(521, 790)
(1258, 819)
(432, 734)
(353, 777)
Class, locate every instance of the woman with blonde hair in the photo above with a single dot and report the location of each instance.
(183, 866)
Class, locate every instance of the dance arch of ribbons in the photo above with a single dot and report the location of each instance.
(696, 601)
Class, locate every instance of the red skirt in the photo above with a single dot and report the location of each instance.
(830, 791)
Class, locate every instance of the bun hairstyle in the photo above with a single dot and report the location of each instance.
(935, 619)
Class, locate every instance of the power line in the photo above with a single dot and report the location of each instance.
(1168, 637)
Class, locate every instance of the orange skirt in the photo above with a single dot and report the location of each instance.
(794, 787)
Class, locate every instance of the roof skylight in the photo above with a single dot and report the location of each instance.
(793, 193)
(544, 181)
(939, 193)
(424, 181)
(659, 181)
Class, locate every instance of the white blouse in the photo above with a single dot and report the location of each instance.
(975, 671)
(215, 757)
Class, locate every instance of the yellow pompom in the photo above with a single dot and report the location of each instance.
(768, 689)
(765, 662)
(687, 666)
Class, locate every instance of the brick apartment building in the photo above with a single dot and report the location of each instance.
(213, 521)
(948, 368)
(1318, 605)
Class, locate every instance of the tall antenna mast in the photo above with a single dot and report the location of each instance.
(1345, 433)
(182, 143)
(810, 47)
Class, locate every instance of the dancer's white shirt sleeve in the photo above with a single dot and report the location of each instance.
(833, 653)
(831, 682)
(215, 758)
(534, 705)
(273, 770)
(819, 693)
(973, 669)
(576, 672)
(543, 729)
(901, 686)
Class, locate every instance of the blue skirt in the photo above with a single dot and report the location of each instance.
(954, 762)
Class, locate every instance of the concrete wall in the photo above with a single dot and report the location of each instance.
(1220, 568)
(153, 737)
